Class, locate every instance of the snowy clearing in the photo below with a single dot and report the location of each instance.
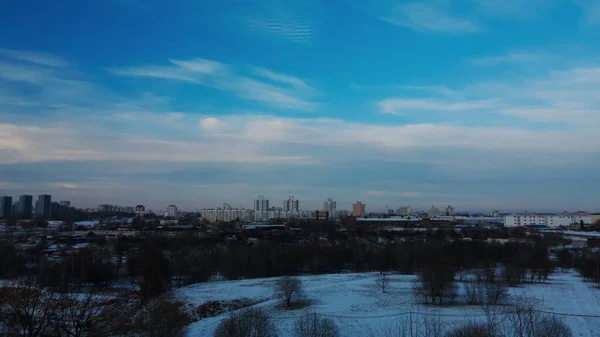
(359, 308)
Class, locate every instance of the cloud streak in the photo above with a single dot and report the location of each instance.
(287, 92)
(38, 58)
(428, 17)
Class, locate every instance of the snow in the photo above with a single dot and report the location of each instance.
(86, 223)
(359, 308)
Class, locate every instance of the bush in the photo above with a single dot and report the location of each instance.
(161, 317)
(470, 330)
(251, 322)
(314, 326)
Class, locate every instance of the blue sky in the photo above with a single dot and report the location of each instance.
(487, 104)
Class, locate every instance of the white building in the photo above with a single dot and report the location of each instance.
(227, 215)
(172, 211)
(291, 207)
(330, 206)
(550, 220)
(404, 211)
(449, 211)
(434, 212)
(261, 209)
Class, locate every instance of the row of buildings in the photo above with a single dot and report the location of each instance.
(550, 220)
(24, 207)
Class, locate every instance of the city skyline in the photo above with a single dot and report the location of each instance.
(326, 204)
(479, 104)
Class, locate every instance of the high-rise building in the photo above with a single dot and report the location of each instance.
(358, 209)
(140, 209)
(25, 206)
(450, 211)
(291, 207)
(43, 206)
(261, 209)
(434, 212)
(172, 211)
(404, 210)
(330, 206)
(5, 207)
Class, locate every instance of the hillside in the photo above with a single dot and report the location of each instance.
(359, 308)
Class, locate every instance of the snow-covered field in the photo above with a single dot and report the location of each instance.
(360, 308)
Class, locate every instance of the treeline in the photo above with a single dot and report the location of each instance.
(158, 263)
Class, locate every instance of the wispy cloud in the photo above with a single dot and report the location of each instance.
(590, 9)
(223, 77)
(266, 73)
(400, 106)
(39, 58)
(509, 58)
(429, 17)
(289, 20)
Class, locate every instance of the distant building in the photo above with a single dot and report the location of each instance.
(549, 220)
(140, 210)
(320, 215)
(261, 209)
(172, 211)
(6, 207)
(227, 215)
(43, 206)
(330, 206)
(495, 214)
(65, 203)
(343, 213)
(358, 209)
(291, 207)
(25, 206)
(434, 212)
(55, 209)
(449, 211)
(404, 211)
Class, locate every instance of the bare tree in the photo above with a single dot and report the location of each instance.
(436, 284)
(314, 326)
(83, 317)
(161, 317)
(382, 281)
(288, 289)
(28, 311)
(470, 330)
(250, 322)
(494, 293)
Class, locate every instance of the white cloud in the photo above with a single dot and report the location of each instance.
(209, 123)
(509, 58)
(429, 17)
(266, 73)
(222, 77)
(400, 106)
(38, 58)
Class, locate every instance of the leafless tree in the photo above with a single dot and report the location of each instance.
(436, 284)
(28, 311)
(250, 322)
(432, 326)
(314, 326)
(288, 289)
(470, 330)
(552, 327)
(382, 281)
(161, 317)
(80, 317)
(495, 292)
